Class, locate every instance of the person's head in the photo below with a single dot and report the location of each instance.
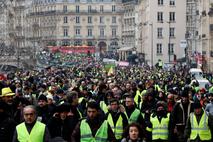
(7, 95)
(63, 109)
(197, 108)
(184, 97)
(93, 110)
(133, 132)
(210, 96)
(161, 108)
(117, 92)
(161, 95)
(72, 98)
(42, 100)
(129, 101)
(29, 114)
(114, 105)
(173, 91)
(60, 93)
(128, 86)
(170, 98)
(50, 99)
(108, 95)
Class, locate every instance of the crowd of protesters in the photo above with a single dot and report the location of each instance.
(84, 103)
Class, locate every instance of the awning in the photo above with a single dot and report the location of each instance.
(125, 49)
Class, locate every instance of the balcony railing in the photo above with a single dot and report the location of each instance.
(54, 12)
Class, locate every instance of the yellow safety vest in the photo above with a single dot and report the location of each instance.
(103, 106)
(79, 113)
(137, 96)
(86, 133)
(36, 134)
(160, 64)
(159, 129)
(118, 128)
(134, 116)
(202, 129)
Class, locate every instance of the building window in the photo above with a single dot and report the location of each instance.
(77, 0)
(171, 48)
(90, 19)
(160, 32)
(102, 32)
(172, 16)
(172, 2)
(113, 32)
(101, 20)
(159, 48)
(65, 32)
(160, 2)
(113, 19)
(172, 32)
(77, 31)
(65, 43)
(77, 9)
(160, 17)
(101, 8)
(89, 9)
(89, 33)
(65, 19)
(113, 8)
(78, 43)
(65, 8)
(77, 19)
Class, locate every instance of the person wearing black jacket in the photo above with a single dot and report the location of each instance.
(7, 124)
(62, 124)
(44, 112)
(178, 118)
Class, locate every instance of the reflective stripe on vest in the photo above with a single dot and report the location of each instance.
(201, 129)
(79, 113)
(118, 128)
(36, 134)
(160, 129)
(86, 133)
(80, 99)
(134, 116)
(104, 106)
(138, 94)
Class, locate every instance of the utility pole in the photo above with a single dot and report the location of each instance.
(169, 47)
(151, 24)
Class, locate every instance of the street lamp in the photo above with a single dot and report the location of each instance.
(169, 46)
(152, 42)
(151, 24)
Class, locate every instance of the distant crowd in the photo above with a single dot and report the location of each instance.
(83, 102)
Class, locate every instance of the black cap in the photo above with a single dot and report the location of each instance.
(197, 105)
(161, 104)
(63, 107)
(42, 97)
(185, 93)
(59, 91)
(93, 104)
